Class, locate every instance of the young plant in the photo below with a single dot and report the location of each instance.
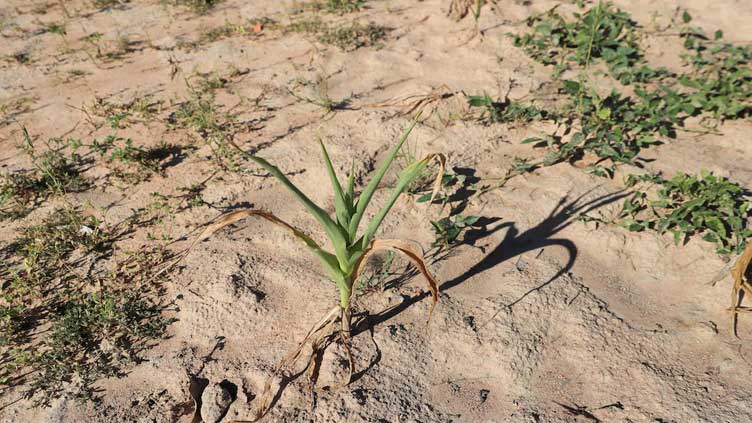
(448, 229)
(601, 33)
(352, 248)
(706, 204)
(505, 111)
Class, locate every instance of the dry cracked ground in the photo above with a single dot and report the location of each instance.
(543, 316)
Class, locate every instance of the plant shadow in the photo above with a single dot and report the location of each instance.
(515, 243)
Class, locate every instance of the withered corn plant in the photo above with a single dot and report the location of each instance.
(352, 248)
(742, 286)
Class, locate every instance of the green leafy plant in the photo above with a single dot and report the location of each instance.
(53, 173)
(601, 33)
(687, 205)
(351, 247)
(614, 128)
(505, 111)
(348, 37)
(197, 6)
(720, 82)
(64, 323)
(448, 229)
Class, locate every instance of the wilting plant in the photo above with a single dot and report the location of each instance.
(351, 249)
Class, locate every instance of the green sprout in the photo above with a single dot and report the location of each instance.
(351, 248)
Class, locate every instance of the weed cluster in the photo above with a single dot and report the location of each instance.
(605, 131)
(317, 94)
(197, 6)
(720, 82)
(12, 108)
(204, 117)
(448, 229)
(53, 172)
(613, 128)
(57, 332)
(118, 116)
(506, 111)
(108, 50)
(687, 204)
(339, 7)
(251, 27)
(601, 33)
(128, 162)
(348, 37)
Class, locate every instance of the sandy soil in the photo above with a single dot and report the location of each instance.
(542, 319)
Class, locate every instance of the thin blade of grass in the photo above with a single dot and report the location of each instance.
(350, 193)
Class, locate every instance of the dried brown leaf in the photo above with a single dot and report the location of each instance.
(741, 286)
(441, 159)
(415, 257)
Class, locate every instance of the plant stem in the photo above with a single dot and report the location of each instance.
(345, 291)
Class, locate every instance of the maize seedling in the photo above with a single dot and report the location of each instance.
(351, 250)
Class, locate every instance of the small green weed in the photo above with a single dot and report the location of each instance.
(318, 94)
(506, 111)
(347, 37)
(57, 332)
(458, 9)
(53, 173)
(353, 36)
(197, 6)
(55, 28)
(687, 205)
(448, 229)
(602, 33)
(108, 50)
(381, 270)
(129, 162)
(252, 27)
(106, 4)
(339, 7)
(12, 108)
(205, 118)
(117, 116)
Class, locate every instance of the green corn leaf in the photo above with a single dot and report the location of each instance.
(334, 232)
(351, 189)
(405, 178)
(330, 263)
(365, 196)
(340, 204)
